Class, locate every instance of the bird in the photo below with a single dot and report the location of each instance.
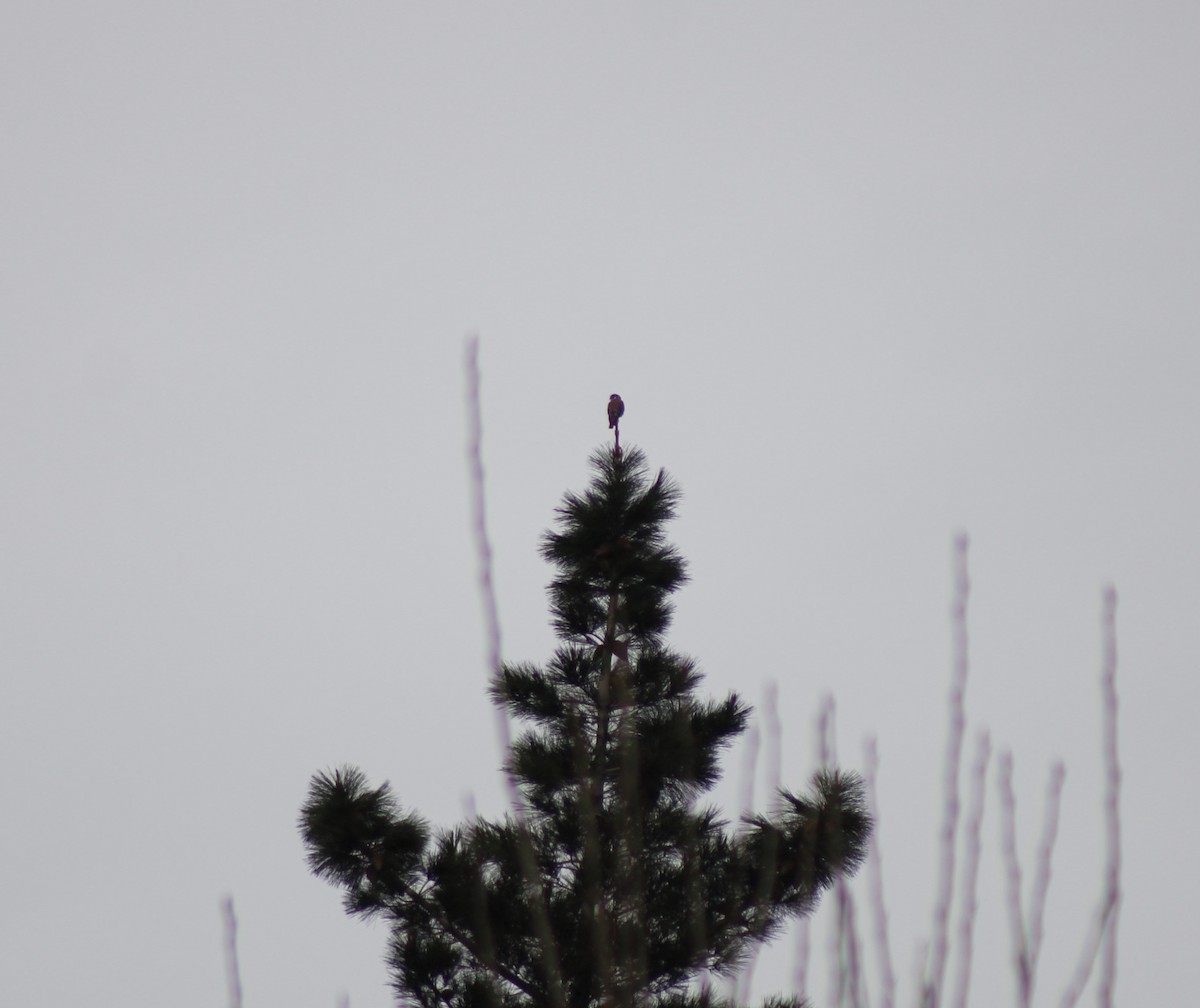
(616, 410)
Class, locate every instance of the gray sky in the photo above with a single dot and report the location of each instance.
(867, 276)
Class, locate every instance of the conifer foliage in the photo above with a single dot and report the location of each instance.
(610, 884)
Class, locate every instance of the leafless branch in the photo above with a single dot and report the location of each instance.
(931, 994)
(232, 972)
(826, 731)
(850, 973)
(973, 831)
(825, 749)
(491, 610)
(749, 770)
(879, 914)
(803, 955)
(741, 983)
(774, 742)
(774, 764)
(1012, 875)
(1112, 801)
(483, 545)
(1102, 936)
(843, 950)
(1041, 878)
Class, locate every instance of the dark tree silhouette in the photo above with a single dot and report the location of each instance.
(609, 885)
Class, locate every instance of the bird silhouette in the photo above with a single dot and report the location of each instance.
(616, 410)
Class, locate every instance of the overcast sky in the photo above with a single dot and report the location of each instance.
(868, 275)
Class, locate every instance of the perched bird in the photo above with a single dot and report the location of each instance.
(616, 410)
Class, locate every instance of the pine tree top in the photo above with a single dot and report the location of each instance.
(610, 885)
(612, 538)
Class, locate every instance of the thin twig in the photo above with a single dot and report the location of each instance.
(1102, 936)
(827, 756)
(883, 952)
(774, 744)
(492, 636)
(825, 748)
(1041, 878)
(1112, 801)
(931, 994)
(741, 984)
(483, 550)
(749, 770)
(972, 832)
(1012, 875)
(773, 770)
(803, 954)
(826, 732)
(232, 972)
(849, 957)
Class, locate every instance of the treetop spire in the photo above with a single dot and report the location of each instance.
(614, 888)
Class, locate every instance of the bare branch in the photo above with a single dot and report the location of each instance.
(931, 994)
(879, 915)
(826, 732)
(1041, 880)
(774, 743)
(803, 955)
(492, 634)
(746, 802)
(825, 748)
(1112, 801)
(843, 978)
(749, 769)
(973, 832)
(774, 761)
(849, 958)
(1102, 936)
(1012, 875)
(232, 973)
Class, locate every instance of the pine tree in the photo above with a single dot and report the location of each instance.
(610, 884)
